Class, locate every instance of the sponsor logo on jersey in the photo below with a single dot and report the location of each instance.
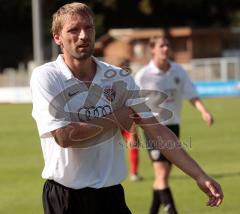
(72, 93)
(89, 113)
(109, 93)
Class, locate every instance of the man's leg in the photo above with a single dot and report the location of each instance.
(162, 168)
(132, 141)
(161, 191)
(134, 161)
(161, 188)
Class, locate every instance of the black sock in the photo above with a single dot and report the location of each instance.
(167, 200)
(156, 202)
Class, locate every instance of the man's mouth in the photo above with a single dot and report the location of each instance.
(83, 45)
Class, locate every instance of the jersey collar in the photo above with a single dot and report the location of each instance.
(154, 69)
(69, 75)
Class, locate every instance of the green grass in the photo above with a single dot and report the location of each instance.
(217, 149)
(20, 161)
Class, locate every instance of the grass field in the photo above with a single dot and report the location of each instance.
(217, 149)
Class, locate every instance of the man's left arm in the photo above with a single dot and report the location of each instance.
(190, 92)
(206, 115)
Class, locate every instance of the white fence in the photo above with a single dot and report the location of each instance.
(212, 69)
(221, 69)
(14, 84)
(15, 95)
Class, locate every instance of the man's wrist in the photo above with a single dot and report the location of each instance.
(134, 115)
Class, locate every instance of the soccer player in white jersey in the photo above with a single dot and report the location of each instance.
(163, 75)
(80, 104)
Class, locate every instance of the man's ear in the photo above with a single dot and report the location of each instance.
(57, 39)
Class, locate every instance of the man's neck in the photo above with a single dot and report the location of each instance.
(163, 65)
(83, 70)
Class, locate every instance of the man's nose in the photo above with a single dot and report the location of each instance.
(82, 34)
(165, 47)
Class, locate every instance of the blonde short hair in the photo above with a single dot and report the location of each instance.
(74, 8)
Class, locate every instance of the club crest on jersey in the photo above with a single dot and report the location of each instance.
(109, 93)
(176, 80)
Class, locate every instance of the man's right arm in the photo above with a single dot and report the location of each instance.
(165, 140)
(85, 132)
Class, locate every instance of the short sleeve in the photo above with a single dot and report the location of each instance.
(189, 89)
(137, 79)
(44, 88)
(135, 101)
(132, 87)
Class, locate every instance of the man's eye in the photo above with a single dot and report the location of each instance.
(72, 30)
(165, 45)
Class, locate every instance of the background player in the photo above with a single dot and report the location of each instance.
(163, 75)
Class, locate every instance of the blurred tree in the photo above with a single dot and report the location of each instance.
(145, 7)
(236, 18)
(17, 34)
(15, 37)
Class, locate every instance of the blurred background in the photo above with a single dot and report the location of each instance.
(205, 40)
(204, 35)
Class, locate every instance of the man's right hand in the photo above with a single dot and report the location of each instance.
(212, 189)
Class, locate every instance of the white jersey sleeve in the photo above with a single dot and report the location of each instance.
(131, 86)
(44, 89)
(136, 101)
(138, 77)
(189, 90)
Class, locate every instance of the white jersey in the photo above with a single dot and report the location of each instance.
(58, 100)
(174, 83)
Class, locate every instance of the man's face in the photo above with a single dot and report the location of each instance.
(77, 36)
(161, 49)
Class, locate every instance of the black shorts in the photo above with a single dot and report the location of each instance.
(58, 199)
(155, 154)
